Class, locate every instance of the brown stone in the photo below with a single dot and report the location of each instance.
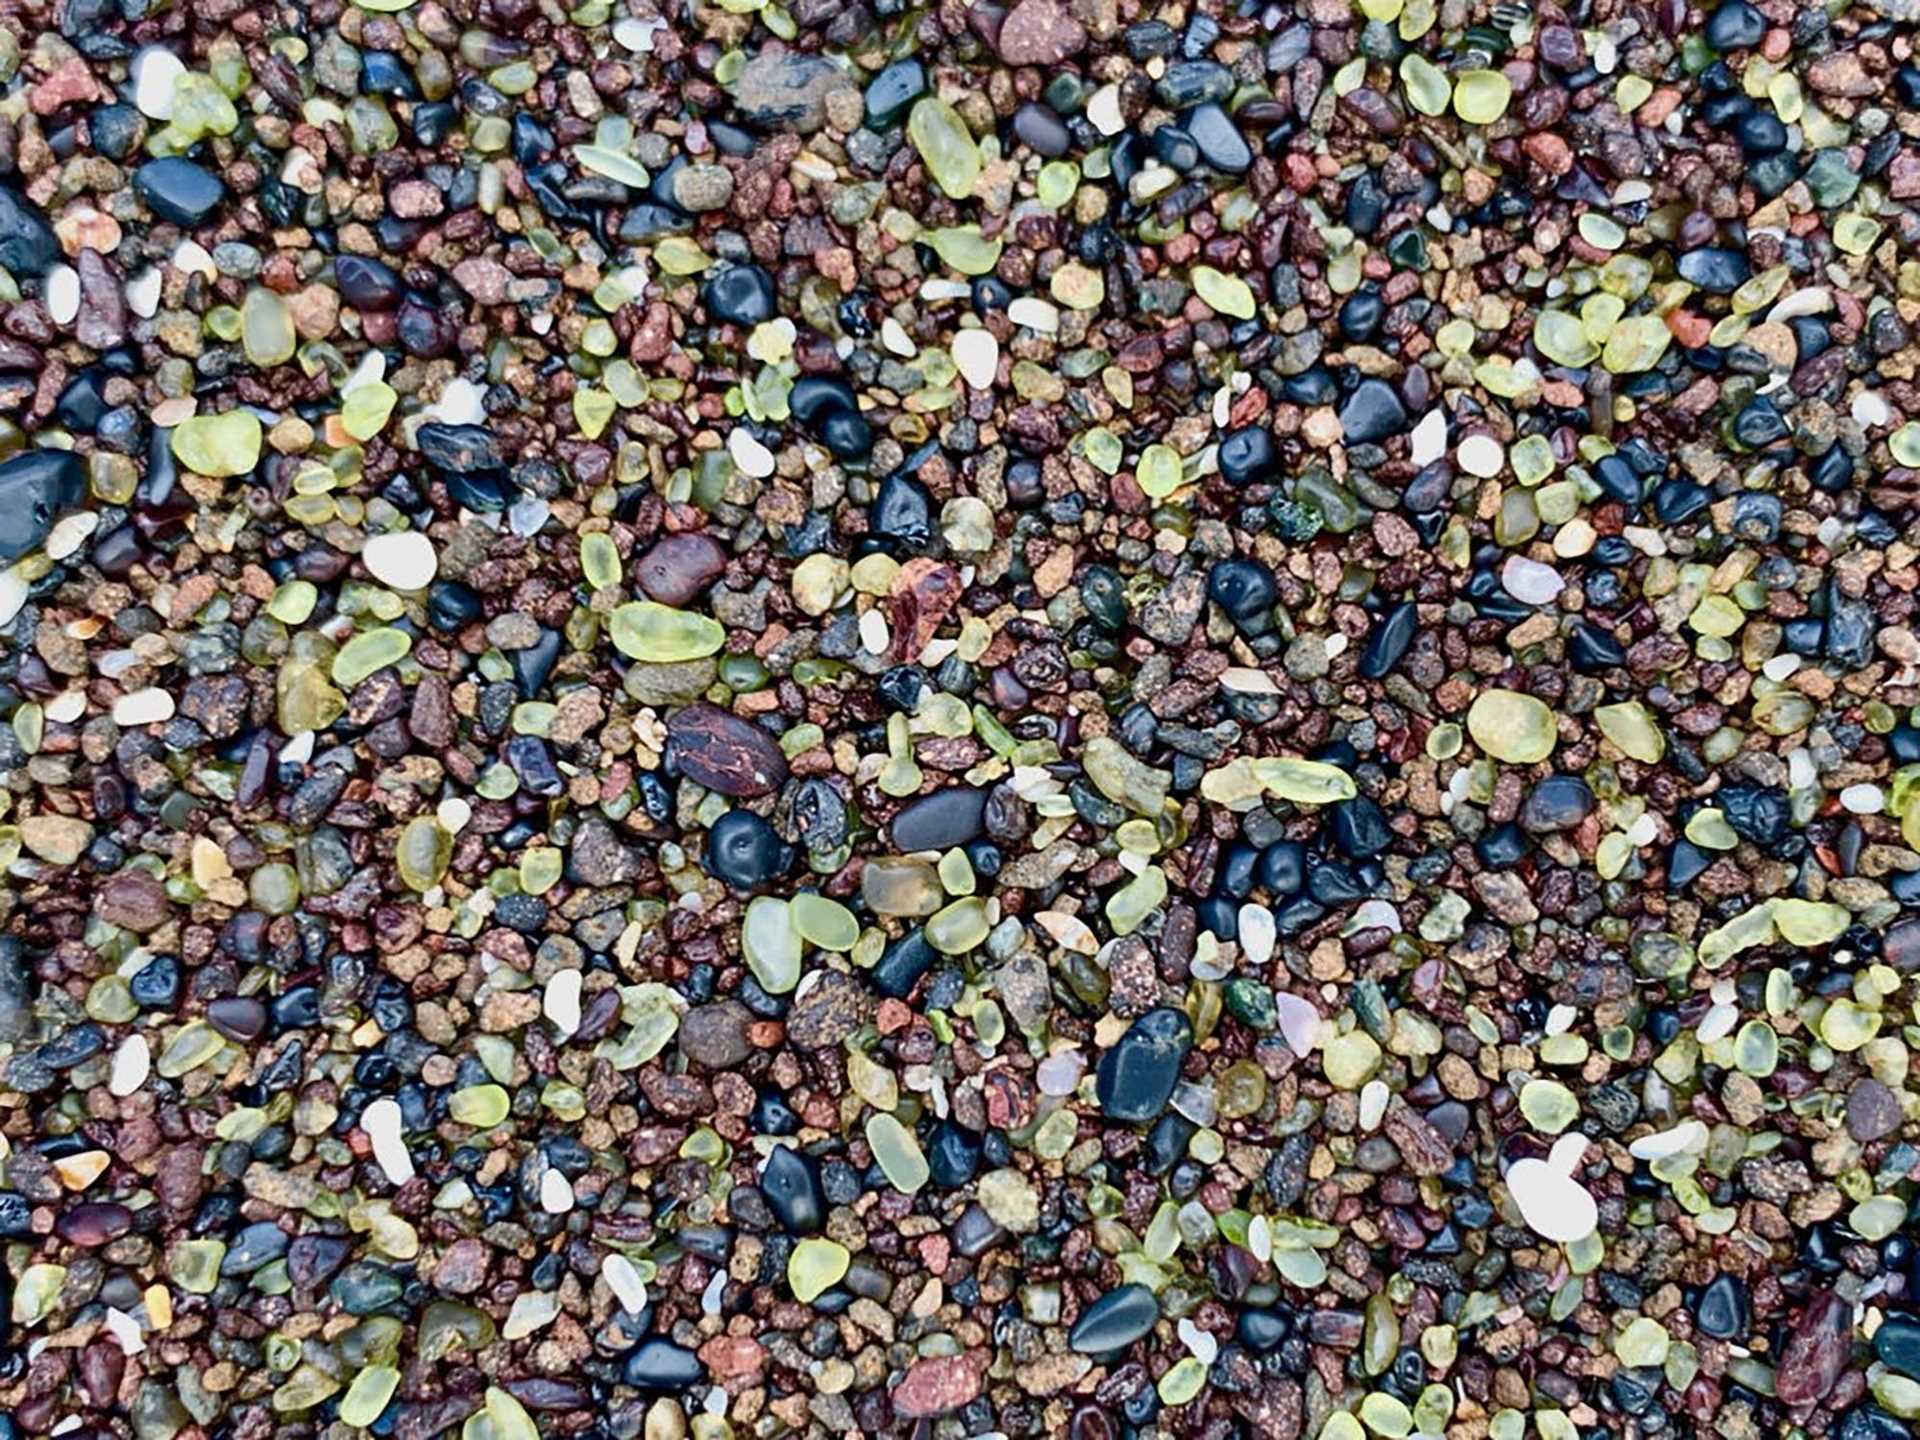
(1040, 32)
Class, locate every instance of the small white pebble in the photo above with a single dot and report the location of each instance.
(636, 35)
(1336, 645)
(1257, 932)
(1643, 831)
(1646, 541)
(1429, 438)
(143, 293)
(1687, 1135)
(937, 289)
(1800, 771)
(716, 1289)
(298, 750)
(556, 1193)
(143, 707)
(70, 532)
(625, 1283)
(1373, 915)
(874, 634)
(1530, 582)
(132, 1063)
(1481, 455)
(14, 588)
(1863, 799)
(1248, 681)
(1553, 1204)
(1560, 1019)
(1813, 300)
(1060, 1073)
(63, 294)
(1718, 1023)
(191, 258)
(1870, 409)
(153, 71)
(1035, 314)
(460, 403)
(453, 813)
(382, 1122)
(126, 1330)
(561, 1004)
(896, 339)
(1103, 110)
(753, 458)
(1199, 1343)
(401, 560)
(528, 514)
(976, 354)
(1373, 1104)
(67, 706)
(1780, 667)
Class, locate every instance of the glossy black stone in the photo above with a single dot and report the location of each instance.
(942, 820)
(791, 1183)
(902, 512)
(1136, 1076)
(953, 1155)
(1248, 455)
(35, 488)
(176, 189)
(1387, 644)
(745, 852)
(740, 295)
(1283, 868)
(1558, 802)
(1372, 412)
(1245, 589)
(28, 246)
(1114, 1321)
(659, 1365)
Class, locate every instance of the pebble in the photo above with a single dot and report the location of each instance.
(402, 560)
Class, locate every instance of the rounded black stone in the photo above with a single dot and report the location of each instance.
(1248, 455)
(1388, 643)
(953, 1155)
(1719, 272)
(34, 489)
(1245, 589)
(28, 246)
(1558, 802)
(1218, 139)
(1136, 1076)
(1114, 1321)
(744, 851)
(1283, 868)
(1372, 412)
(1736, 25)
(660, 1365)
(791, 1183)
(176, 189)
(1360, 828)
(942, 820)
(741, 295)
(1361, 316)
(1725, 1310)
(1755, 812)
(902, 512)
(1502, 847)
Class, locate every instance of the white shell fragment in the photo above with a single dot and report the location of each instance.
(381, 1121)
(1555, 1205)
